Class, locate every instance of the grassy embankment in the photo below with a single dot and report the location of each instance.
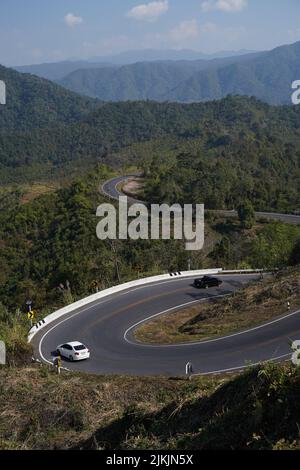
(257, 410)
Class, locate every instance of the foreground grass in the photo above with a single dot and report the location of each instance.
(257, 410)
(251, 306)
(40, 410)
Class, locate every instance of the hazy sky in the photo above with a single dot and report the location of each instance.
(34, 31)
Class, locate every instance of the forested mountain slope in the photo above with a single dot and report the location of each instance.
(267, 76)
(142, 80)
(33, 102)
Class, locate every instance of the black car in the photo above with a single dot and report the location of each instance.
(206, 282)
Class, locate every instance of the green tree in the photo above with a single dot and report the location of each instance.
(246, 215)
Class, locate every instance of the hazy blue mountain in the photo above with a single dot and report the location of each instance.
(153, 55)
(58, 70)
(142, 80)
(139, 81)
(267, 77)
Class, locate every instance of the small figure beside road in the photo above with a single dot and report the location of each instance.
(189, 370)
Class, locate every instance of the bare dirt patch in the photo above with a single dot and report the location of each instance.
(133, 187)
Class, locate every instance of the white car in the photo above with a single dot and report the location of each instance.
(74, 351)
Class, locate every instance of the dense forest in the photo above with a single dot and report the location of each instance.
(218, 152)
(239, 149)
(49, 249)
(33, 102)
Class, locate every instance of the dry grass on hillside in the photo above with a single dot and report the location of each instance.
(40, 410)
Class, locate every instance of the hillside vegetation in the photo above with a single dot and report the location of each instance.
(257, 410)
(238, 149)
(33, 102)
(58, 70)
(202, 152)
(49, 249)
(193, 153)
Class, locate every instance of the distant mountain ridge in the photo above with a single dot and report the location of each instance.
(59, 70)
(142, 80)
(153, 55)
(266, 75)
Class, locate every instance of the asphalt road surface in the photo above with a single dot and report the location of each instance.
(107, 327)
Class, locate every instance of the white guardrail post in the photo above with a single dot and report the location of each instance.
(123, 287)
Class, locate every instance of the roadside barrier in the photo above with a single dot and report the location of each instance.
(111, 291)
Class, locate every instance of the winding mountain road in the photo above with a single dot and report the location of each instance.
(107, 328)
(108, 325)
